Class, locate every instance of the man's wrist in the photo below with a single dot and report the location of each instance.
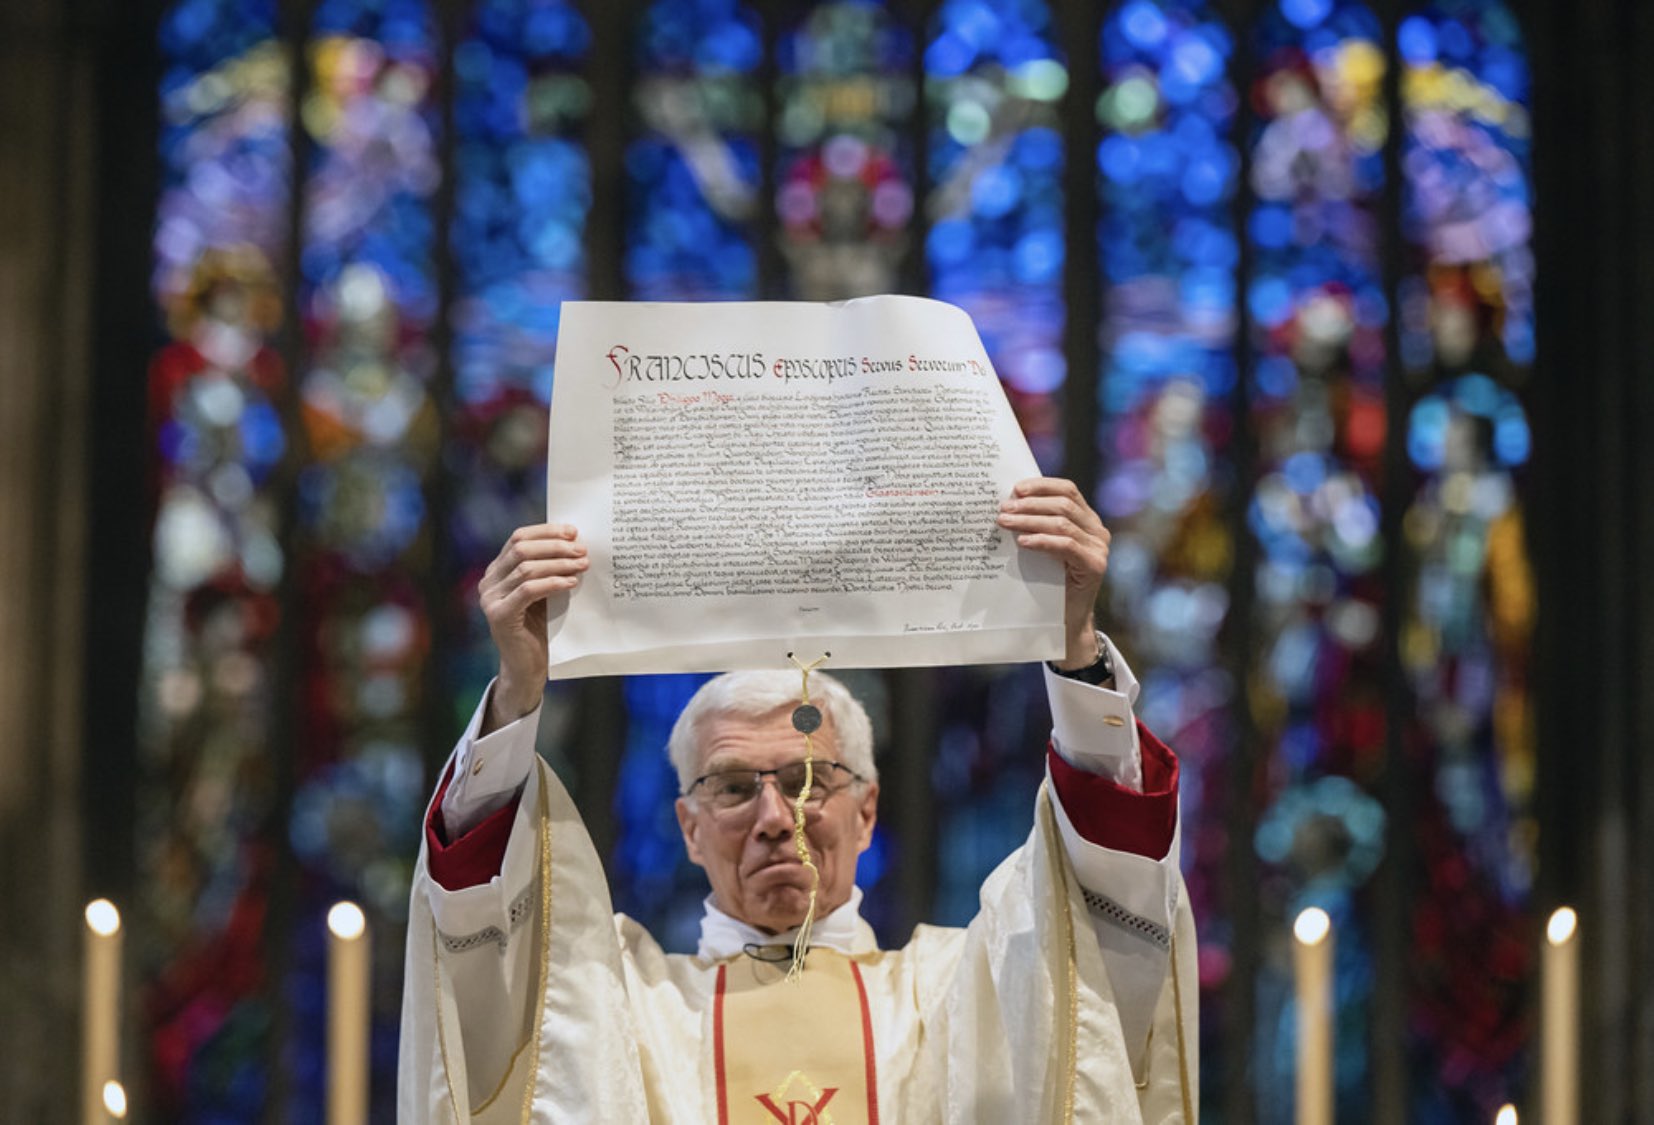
(1098, 670)
(508, 702)
(1082, 648)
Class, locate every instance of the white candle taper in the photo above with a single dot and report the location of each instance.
(1312, 970)
(348, 969)
(100, 1006)
(1559, 1059)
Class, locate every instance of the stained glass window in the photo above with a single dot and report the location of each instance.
(1318, 313)
(522, 193)
(693, 172)
(206, 773)
(1467, 626)
(844, 183)
(369, 301)
(413, 467)
(1169, 251)
(993, 81)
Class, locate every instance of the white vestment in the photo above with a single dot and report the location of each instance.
(528, 999)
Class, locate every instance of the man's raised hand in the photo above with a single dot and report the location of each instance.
(535, 563)
(1050, 514)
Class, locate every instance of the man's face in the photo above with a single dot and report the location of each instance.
(747, 851)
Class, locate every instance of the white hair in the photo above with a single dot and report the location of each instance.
(757, 693)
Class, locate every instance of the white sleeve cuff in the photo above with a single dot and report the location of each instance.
(1131, 901)
(1093, 727)
(488, 771)
(1145, 887)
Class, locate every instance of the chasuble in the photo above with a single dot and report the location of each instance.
(1070, 997)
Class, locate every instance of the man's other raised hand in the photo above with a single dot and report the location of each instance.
(535, 563)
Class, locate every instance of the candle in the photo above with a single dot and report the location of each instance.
(1312, 968)
(1559, 1059)
(1505, 1116)
(100, 1001)
(347, 1015)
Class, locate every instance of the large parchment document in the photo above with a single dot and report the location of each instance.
(758, 479)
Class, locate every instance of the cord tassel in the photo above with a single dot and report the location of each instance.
(806, 719)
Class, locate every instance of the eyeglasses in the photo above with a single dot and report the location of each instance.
(726, 790)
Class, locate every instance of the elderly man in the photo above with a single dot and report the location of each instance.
(1070, 997)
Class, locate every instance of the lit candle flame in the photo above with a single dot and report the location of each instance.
(102, 917)
(1562, 925)
(1313, 926)
(346, 920)
(114, 1099)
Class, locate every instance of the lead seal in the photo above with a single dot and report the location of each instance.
(806, 718)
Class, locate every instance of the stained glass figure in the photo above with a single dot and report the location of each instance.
(993, 81)
(844, 185)
(522, 194)
(369, 299)
(1467, 626)
(376, 442)
(1318, 312)
(1169, 251)
(205, 789)
(693, 172)
(994, 78)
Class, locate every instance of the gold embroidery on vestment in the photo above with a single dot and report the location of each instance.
(533, 1043)
(545, 943)
(768, 1068)
(1177, 1013)
(1065, 923)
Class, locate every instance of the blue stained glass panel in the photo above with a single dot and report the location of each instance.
(1317, 407)
(1168, 248)
(522, 195)
(844, 182)
(1467, 323)
(206, 695)
(993, 81)
(1466, 643)
(653, 878)
(693, 172)
(369, 298)
(988, 767)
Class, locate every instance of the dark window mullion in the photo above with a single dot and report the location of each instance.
(1079, 26)
(914, 692)
(1394, 879)
(1238, 639)
(915, 268)
(771, 273)
(437, 579)
(600, 711)
(294, 22)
